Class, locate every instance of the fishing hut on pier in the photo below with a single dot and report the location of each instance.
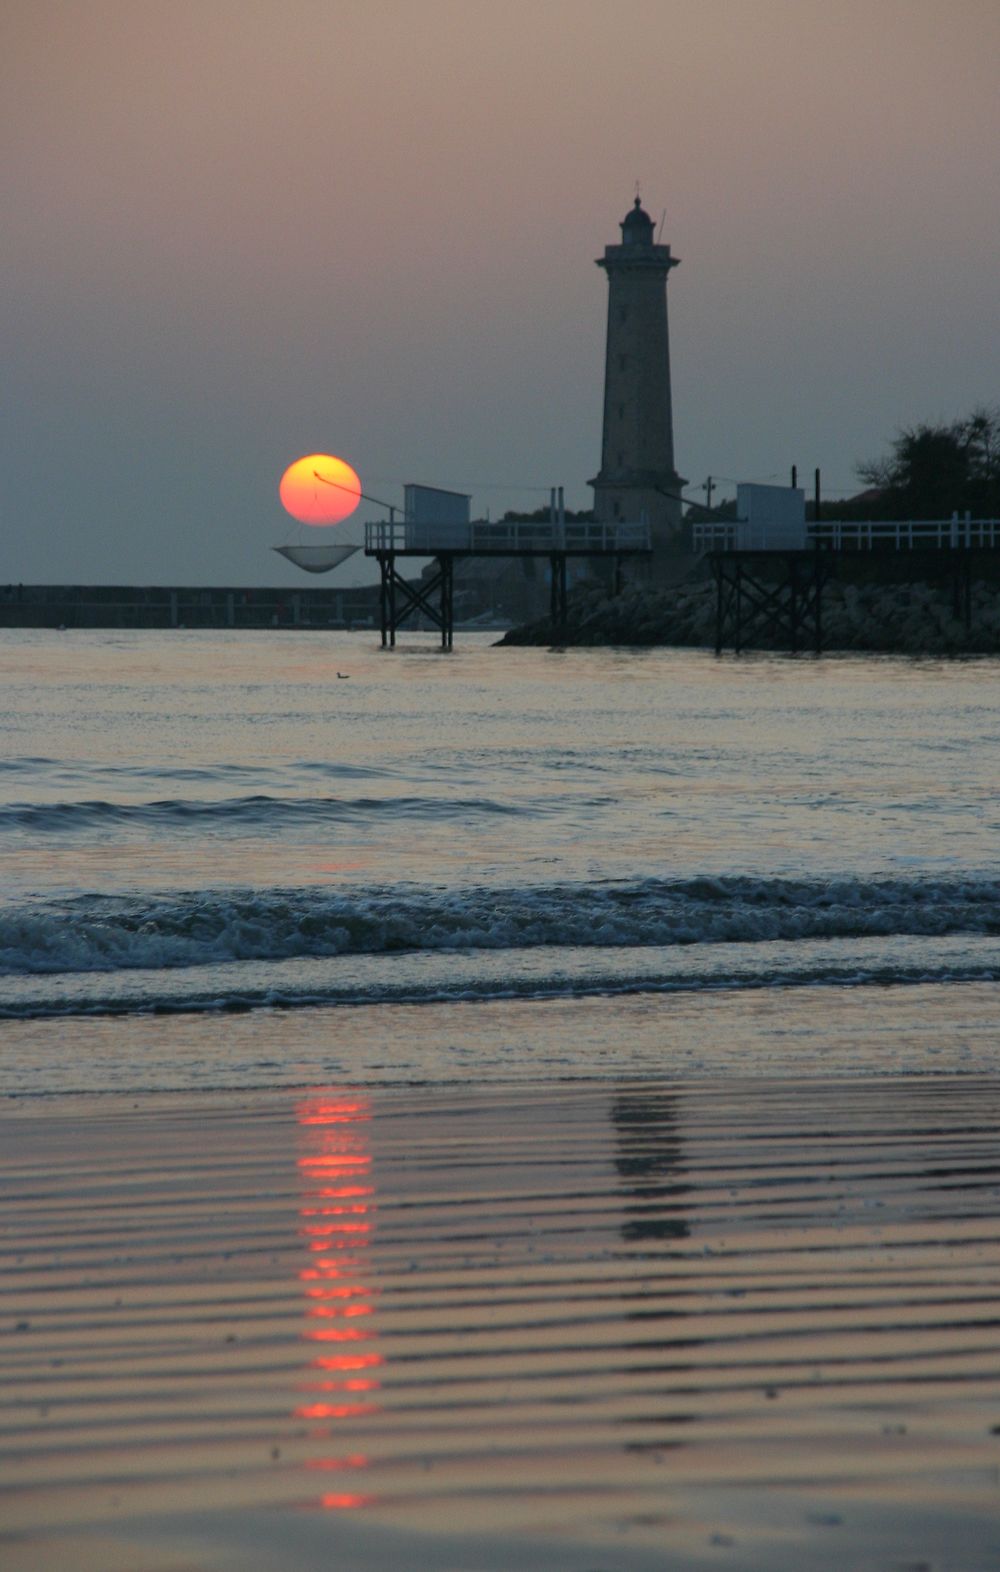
(437, 524)
(771, 565)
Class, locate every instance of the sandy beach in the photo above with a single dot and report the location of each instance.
(593, 1326)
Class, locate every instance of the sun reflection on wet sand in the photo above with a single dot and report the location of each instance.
(571, 1327)
(336, 1220)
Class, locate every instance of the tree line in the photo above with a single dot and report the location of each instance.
(932, 472)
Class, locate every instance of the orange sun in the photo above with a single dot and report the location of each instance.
(320, 489)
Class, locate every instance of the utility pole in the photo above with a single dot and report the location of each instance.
(709, 487)
(795, 476)
(816, 499)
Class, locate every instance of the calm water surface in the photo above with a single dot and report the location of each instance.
(521, 860)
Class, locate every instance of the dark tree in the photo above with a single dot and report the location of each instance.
(982, 434)
(934, 471)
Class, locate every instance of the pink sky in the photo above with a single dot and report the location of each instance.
(242, 230)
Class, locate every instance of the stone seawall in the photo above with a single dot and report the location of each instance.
(184, 606)
(905, 618)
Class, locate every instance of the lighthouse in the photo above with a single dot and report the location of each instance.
(637, 478)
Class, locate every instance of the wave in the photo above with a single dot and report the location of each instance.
(170, 931)
(236, 815)
(213, 774)
(513, 976)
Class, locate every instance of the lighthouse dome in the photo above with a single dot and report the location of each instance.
(637, 226)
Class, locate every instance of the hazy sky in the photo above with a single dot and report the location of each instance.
(236, 231)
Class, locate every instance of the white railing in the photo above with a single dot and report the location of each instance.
(911, 535)
(507, 537)
(714, 536)
(866, 534)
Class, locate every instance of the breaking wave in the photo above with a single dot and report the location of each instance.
(170, 931)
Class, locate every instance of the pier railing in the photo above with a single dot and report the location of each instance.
(855, 535)
(507, 537)
(912, 535)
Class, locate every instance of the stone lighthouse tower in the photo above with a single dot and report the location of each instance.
(637, 478)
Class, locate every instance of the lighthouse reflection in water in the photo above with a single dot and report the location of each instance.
(336, 1219)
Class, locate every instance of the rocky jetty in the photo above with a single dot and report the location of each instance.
(901, 618)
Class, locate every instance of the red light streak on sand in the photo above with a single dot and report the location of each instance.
(346, 1362)
(331, 1231)
(351, 1209)
(340, 1166)
(331, 1266)
(342, 1193)
(356, 1384)
(338, 1310)
(349, 1141)
(339, 1111)
(326, 1230)
(344, 1291)
(335, 1464)
(330, 1211)
(336, 1334)
(332, 1130)
(323, 1271)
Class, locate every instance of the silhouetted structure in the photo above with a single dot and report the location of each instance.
(432, 597)
(768, 596)
(637, 478)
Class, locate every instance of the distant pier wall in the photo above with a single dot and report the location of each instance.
(181, 606)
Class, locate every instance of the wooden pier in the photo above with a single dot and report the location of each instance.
(772, 596)
(433, 597)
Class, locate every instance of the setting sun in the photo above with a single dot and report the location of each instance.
(320, 489)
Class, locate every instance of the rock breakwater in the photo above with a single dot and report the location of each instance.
(891, 618)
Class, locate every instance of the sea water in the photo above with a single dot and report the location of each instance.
(237, 859)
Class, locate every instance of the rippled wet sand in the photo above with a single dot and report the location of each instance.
(578, 1325)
